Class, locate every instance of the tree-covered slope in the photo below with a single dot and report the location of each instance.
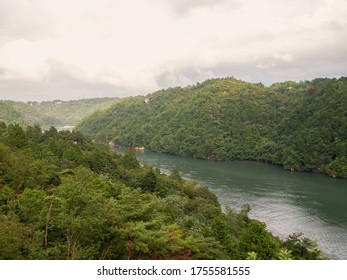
(301, 126)
(63, 196)
(51, 113)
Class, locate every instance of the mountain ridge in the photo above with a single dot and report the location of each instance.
(299, 125)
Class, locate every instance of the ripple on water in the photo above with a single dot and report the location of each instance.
(283, 220)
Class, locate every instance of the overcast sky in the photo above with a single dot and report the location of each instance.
(72, 49)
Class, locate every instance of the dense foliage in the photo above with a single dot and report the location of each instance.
(63, 196)
(302, 126)
(51, 113)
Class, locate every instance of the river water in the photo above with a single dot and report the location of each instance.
(288, 202)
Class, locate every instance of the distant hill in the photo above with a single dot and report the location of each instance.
(51, 113)
(302, 126)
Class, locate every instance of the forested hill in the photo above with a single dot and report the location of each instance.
(302, 126)
(51, 113)
(63, 196)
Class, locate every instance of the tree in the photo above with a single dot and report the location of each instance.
(302, 248)
(256, 239)
(338, 167)
(175, 174)
(15, 136)
(82, 215)
(205, 248)
(144, 228)
(12, 237)
(34, 134)
(72, 157)
(2, 128)
(149, 181)
(30, 205)
(130, 161)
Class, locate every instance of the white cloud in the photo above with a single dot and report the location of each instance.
(135, 47)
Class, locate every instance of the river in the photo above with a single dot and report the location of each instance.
(287, 202)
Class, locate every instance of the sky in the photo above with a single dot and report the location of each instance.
(73, 49)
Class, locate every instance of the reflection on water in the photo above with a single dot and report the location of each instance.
(286, 201)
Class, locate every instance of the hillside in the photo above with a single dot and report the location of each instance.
(302, 126)
(63, 196)
(51, 113)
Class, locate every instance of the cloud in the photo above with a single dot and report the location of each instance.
(25, 19)
(183, 8)
(76, 48)
(60, 86)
